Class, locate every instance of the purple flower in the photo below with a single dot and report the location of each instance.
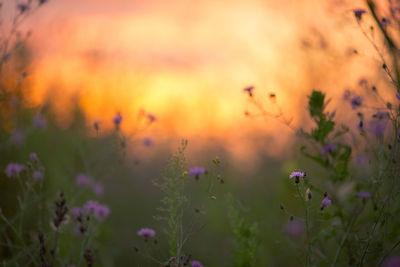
(325, 202)
(364, 195)
(39, 122)
(297, 175)
(14, 169)
(117, 119)
(197, 171)
(358, 13)
(37, 175)
(356, 102)
(249, 90)
(98, 189)
(98, 210)
(148, 142)
(362, 159)
(146, 232)
(294, 228)
(83, 180)
(381, 114)
(22, 8)
(152, 118)
(76, 212)
(346, 94)
(33, 157)
(41, 2)
(398, 96)
(196, 264)
(378, 128)
(329, 148)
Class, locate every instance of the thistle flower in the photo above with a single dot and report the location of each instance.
(83, 180)
(98, 210)
(196, 264)
(294, 227)
(39, 122)
(98, 189)
(197, 171)
(325, 202)
(356, 101)
(249, 90)
(151, 118)
(358, 13)
(22, 8)
(37, 175)
(364, 195)
(398, 96)
(33, 157)
(297, 175)
(377, 127)
(14, 169)
(147, 141)
(76, 212)
(117, 120)
(146, 232)
(329, 148)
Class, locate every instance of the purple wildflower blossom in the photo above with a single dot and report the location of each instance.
(249, 90)
(297, 175)
(398, 96)
(329, 148)
(14, 169)
(39, 122)
(325, 202)
(196, 264)
(76, 212)
(294, 228)
(37, 175)
(22, 8)
(346, 94)
(364, 195)
(197, 171)
(41, 2)
(377, 127)
(362, 159)
(98, 210)
(83, 180)
(356, 102)
(146, 232)
(147, 141)
(117, 119)
(33, 157)
(358, 13)
(98, 189)
(151, 117)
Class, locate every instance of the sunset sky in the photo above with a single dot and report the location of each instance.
(188, 61)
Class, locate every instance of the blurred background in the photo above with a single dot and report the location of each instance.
(176, 70)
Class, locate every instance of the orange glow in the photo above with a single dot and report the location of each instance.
(187, 61)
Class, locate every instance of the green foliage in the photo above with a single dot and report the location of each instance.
(172, 184)
(244, 233)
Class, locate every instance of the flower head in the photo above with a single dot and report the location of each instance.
(14, 169)
(83, 180)
(325, 202)
(398, 96)
(196, 264)
(151, 118)
(329, 148)
(249, 90)
(356, 101)
(33, 157)
(377, 127)
(39, 122)
(148, 142)
(117, 119)
(22, 8)
(358, 13)
(364, 195)
(297, 175)
(98, 210)
(37, 175)
(98, 189)
(197, 171)
(146, 232)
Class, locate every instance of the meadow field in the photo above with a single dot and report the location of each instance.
(199, 133)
